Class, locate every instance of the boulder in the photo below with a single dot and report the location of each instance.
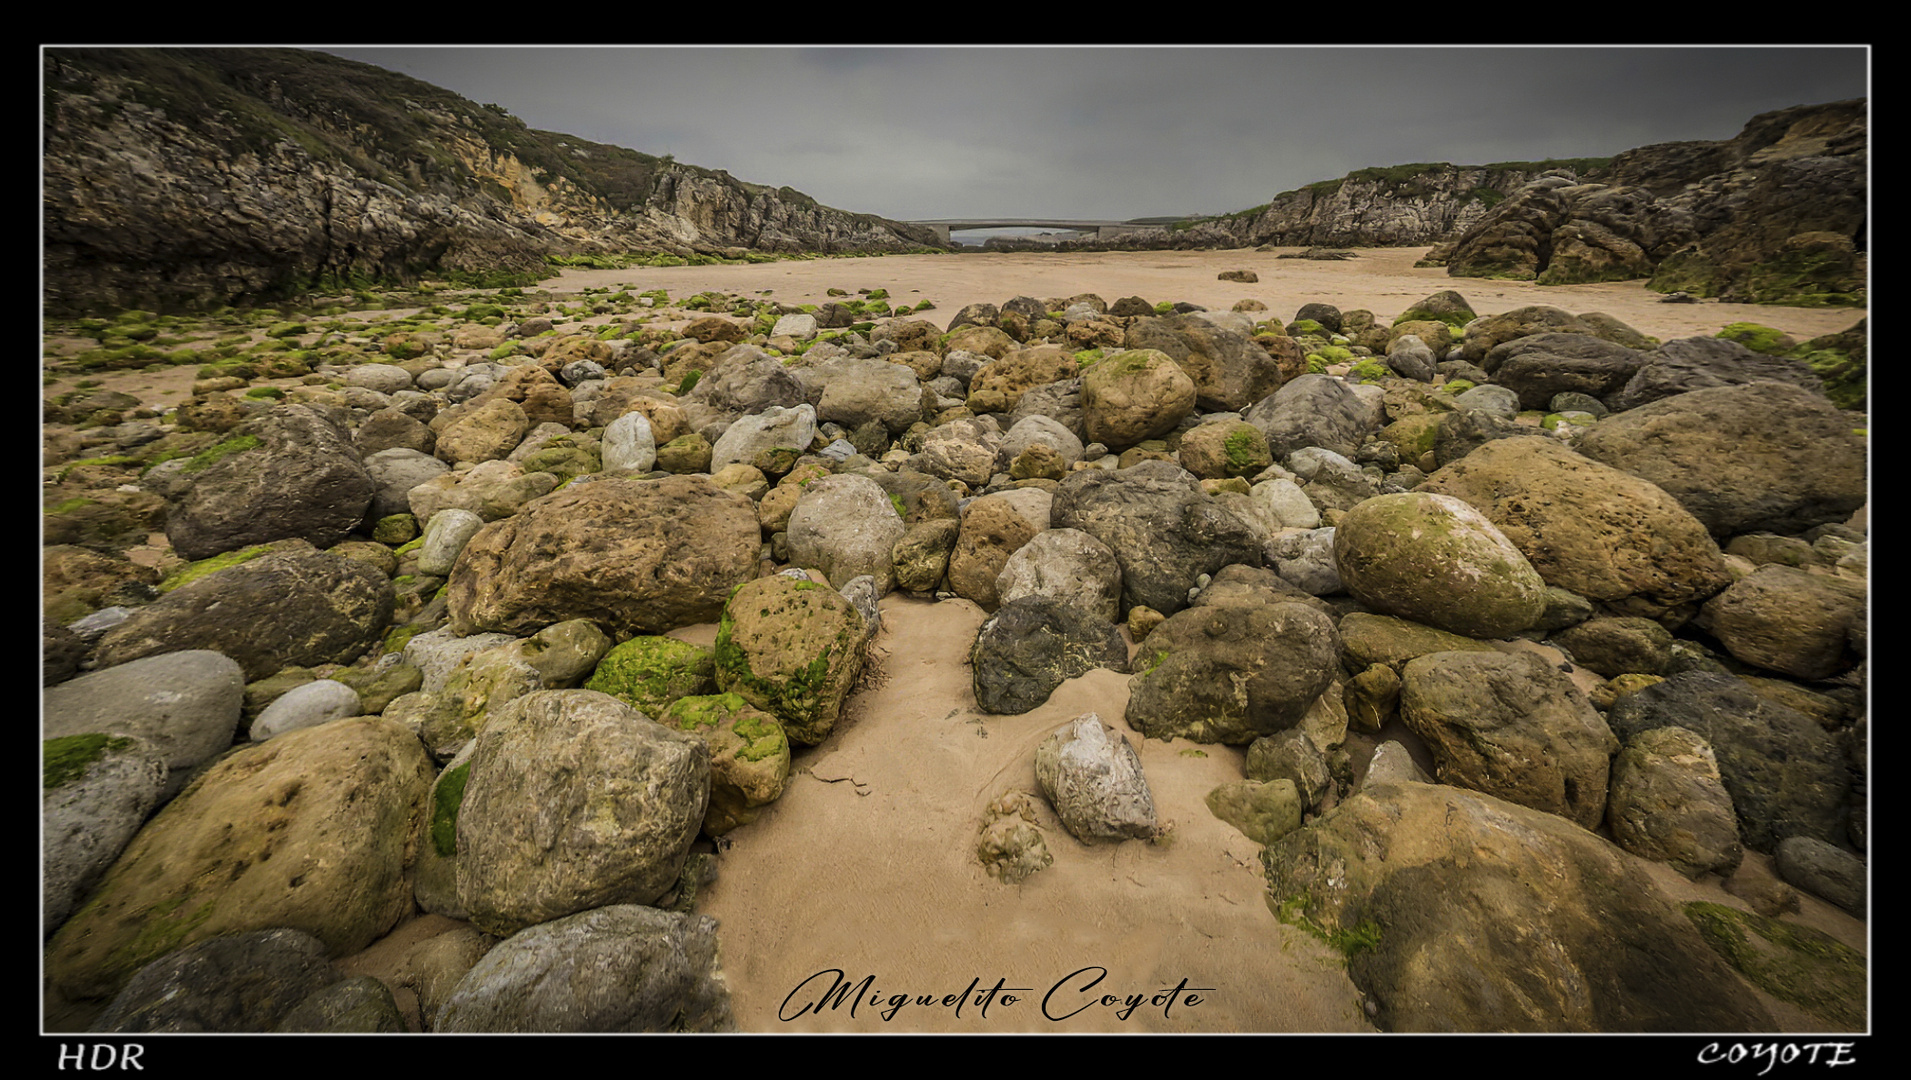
(1092, 777)
(1032, 645)
(792, 648)
(1164, 530)
(1461, 912)
(1786, 775)
(1233, 667)
(1436, 560)
(1606, 535)
(1513, 726)
(619, 968)
(314, 831)
(289, 607)
(1314, 410)
(290, 473)
(1761, 457)
(1134, 395)
(1668, 803)
(633, 556)
(846, 526)
(575, 801)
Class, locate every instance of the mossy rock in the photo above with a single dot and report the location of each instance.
(649, 672)
(1762, 339)
(1794, 963)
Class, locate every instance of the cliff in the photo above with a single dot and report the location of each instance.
(180, 178)
(1775, 215)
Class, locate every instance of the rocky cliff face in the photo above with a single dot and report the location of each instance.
(1775, 215)
(180, 178)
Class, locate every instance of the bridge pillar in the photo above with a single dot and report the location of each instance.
(942, 232)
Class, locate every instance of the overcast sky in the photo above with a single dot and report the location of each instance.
(1115, 132)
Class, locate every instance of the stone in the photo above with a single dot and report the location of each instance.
(236, 984)
(287, 474)
(1668, 804)
(1033, 644)
(845, 526)
(1606, 535)
(289, 607)
(1462, 912)
(575, 801)
(1092, 777)
(792, 648)
(1134, 395)
(254, 843)
(618, 968)
(96, 792)
(1263, 812)
(633, 556)
(1438, 561)
(1513, 726)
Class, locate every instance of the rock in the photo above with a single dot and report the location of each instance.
(1011, 847)
(1762, 457)
(1064, 564)
(216, 859)
(1313, 410)
(771, 430)
(993, 530)
(1540, 366)
(362, 1005)
(629, 445)
(633, 556)
(792, 648)
(234, 984)
(1134, 395)
(446, 534)
(1585, 527)
(862, 391)
(288, 474)
(749, 756)
(1163, 529)
(1264, 812)
(619, 968)
(1437, 894)
(481, 432)
(289, 607)
(1824, 870)
(961, 450)
(1786, 775)
(921, 557)
(1032, 645)
(1436, 560)
(185, 706)
(1701, 363)
(1231, 668)
(845, 526)
(575, 801)
(1093, 779)
(1512, 726)
(1223, 448)
(306, 706)
(1789, 621)
(1668, 804)
(96, 792)
(1292, 756)
(648, 673)
(394, 473)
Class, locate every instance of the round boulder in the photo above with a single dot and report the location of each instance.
(1436, 560)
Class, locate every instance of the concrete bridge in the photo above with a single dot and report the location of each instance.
(1101, 230)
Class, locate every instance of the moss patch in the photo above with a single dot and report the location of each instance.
(446, 797)
(1796, 964)
(192, 572)
(66, 759)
